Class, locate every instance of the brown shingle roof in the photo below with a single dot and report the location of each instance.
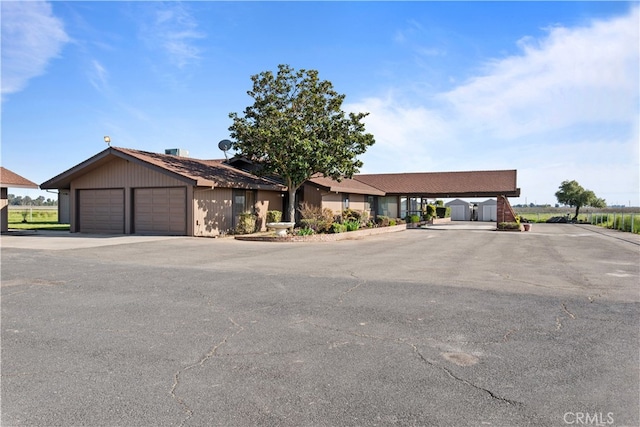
(206, 173)
(12, 179)
(347, 185)
(445, 184)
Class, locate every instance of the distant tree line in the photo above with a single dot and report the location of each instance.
(28, 201)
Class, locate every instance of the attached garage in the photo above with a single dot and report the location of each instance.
(124, 191)
(101, 211)
(160, 211)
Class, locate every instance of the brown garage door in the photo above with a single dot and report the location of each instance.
(101, 211)
(160, 211)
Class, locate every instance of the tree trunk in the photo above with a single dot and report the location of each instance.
(292, 201)
(575, 218)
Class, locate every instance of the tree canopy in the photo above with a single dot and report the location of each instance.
(296, 129)
(573, 194)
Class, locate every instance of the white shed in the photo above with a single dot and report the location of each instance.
(488, 210)
(460, 210)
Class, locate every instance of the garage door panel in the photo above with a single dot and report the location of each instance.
(160, 211)
(101, 211)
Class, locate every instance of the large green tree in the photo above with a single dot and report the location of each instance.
(296, 129)
(573, 194)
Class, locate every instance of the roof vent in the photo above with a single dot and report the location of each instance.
(180, 152)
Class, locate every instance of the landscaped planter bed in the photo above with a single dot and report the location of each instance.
(329, 237)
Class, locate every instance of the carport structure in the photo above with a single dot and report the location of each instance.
(9, 179)
(409, 192)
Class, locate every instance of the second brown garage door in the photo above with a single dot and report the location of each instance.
(160, 211)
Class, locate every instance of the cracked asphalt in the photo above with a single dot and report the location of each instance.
(426, 327)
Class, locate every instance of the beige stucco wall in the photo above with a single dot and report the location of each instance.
(358, 202)
(267, 201)
(332, 201)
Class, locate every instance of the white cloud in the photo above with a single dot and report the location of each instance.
(175, 31)
(99, 76)
(31, 37)
(573, 76)
(565, 107)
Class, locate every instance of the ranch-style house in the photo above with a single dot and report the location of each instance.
(127, 191)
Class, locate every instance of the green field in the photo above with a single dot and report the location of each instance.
(623, 219)
(35, 219)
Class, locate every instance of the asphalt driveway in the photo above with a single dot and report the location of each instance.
(436, 327)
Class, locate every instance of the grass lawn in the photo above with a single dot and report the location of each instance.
(45, 219)
(39, 225)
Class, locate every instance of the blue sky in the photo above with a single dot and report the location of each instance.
(548, 88)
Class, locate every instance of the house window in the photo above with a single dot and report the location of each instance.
(388, 206)
(371, 206)
(243, 201)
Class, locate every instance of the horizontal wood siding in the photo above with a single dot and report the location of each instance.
(123, 173)
(212, 210)
(312, 195)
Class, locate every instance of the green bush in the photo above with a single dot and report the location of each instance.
(246, 223)
(274, 216)
(304, 231)
(414, 219)
(352, 225)
(392, 222)
(431, 212)
(336, 227)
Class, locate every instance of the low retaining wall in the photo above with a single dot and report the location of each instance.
(333, 237)
(439, 221)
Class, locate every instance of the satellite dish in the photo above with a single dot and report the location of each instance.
(224, 145)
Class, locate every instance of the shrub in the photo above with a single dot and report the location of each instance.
(414, 219)
(350, 215)
(336, 227)
(431, 212)
(246, 223)
(304, 231)
(392, 222)
(352, 225)
(274, 216)
(314, 217)
(382, 221)
(508, 226)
